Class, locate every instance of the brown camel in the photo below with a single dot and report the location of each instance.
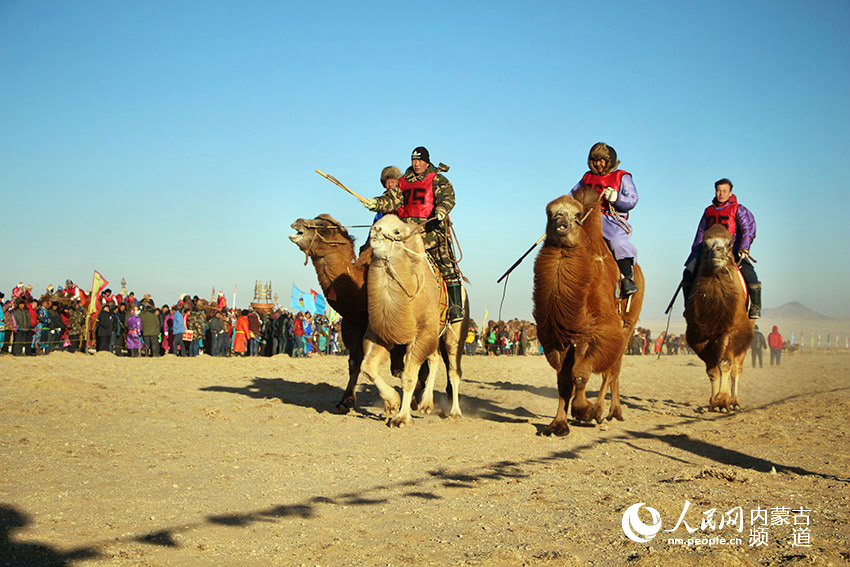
(342, 277)
(718, 327)
(581, 324)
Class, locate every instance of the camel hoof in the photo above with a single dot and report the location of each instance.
(425, 408)
(401, 421)
(560, 429)
(346, 404)
(615, 413)
(585, 414)
(455, 414)
(392, 407)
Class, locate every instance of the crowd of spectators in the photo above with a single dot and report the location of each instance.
(125, 325)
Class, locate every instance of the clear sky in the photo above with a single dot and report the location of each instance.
(173, 143)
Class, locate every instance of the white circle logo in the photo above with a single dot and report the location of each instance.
(635, 529)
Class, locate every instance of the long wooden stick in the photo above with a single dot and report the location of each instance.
(335, 181)
(521, 258)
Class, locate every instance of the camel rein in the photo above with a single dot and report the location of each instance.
(322, 238)
(391, 271)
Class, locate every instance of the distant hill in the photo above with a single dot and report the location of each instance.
(794, 310)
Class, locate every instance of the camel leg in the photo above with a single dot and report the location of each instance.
(454, 340)
(582, 409)
(600, 398)
(724, 393)
(559, 425)
(375, 355)
(353, 337)
(417, 352)
(426, 399)
(737, 370)
(615, 411)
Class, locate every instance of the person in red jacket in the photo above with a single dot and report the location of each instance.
(298, 336)
(774, 341)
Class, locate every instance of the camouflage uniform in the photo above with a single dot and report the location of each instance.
(436, 236)
(76, 321)
(195, 323)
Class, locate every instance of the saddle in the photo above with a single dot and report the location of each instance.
(443, 305)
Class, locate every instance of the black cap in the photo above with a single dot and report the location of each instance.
(421, 153)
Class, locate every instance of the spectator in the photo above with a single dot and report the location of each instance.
(178, 328)
(150, 329)
(104, 328)
(757, 346)
(774, 341)
(242, 335)
(134, 332)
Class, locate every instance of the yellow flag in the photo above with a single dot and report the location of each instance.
(484, 322)
(98, 282)
(332, 315)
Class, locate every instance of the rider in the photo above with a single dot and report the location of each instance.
(619, 196)
(725, 209)
(424, 195)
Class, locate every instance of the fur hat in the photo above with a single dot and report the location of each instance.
(601, 150)
(389, 172)
(421, 153)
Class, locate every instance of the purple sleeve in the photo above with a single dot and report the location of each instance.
(697, 239)
(627, 197)
(573, 190)
(747, 225)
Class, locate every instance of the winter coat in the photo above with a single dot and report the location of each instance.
(134, 331)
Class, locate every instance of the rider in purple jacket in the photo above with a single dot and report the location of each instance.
(725, 209)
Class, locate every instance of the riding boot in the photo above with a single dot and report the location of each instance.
(755, 300)
(627, 283)
(454, 291)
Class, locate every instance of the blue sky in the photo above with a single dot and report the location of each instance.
(172, 144)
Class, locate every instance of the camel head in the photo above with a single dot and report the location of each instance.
(391, 233)
(717, 247)
(563, 218)
(313, 234)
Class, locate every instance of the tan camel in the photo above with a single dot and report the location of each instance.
(581, 324)
(718, 327)
(404, 297)
(342, 277)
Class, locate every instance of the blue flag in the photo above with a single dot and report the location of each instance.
(302, 301)
(319, 302)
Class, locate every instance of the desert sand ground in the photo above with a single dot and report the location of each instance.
(119, 461)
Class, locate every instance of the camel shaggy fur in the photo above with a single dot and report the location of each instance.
(718, 327)
(581, 324)
(342, 276)
(404, 297)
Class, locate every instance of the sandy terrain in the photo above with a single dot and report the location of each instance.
(118, 461)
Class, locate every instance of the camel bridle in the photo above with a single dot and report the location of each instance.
(389, 267)
(315, 227)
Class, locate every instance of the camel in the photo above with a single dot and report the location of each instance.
(582, 325)
(404, 290)
(718, 327)
(342, 276)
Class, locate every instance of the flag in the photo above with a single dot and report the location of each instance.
(484, 323)
(98, 283)
(332, 315)
(318, 301)
(301, 301)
